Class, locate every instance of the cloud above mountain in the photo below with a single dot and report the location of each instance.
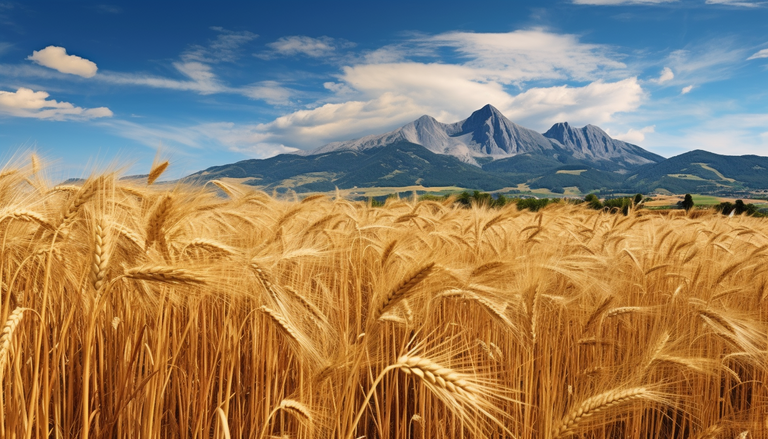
(491, 68)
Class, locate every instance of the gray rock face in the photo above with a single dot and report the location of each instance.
(592, 144)
(489, 134)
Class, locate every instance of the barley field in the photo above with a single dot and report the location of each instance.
(132, 310)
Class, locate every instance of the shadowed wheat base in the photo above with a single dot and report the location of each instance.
(219, 311)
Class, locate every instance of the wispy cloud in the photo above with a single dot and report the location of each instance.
(738, 3)
(56, 58)
(226, 47)
(304, 45)
(25, 102)
(531, 54)
(686, 90)
(109, 9)
(196, 66)
(761, 54)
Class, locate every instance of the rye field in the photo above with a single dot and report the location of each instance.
(131, 310)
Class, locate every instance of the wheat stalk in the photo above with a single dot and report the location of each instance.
(596, 404)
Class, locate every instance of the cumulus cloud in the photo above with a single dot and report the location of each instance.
(666, 75)
(304, 45)
(56, 58)
(761, 54)
(536, 108)
(686, 90)
(633, 135)
(35, 104)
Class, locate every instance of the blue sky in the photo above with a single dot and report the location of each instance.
(94, 84)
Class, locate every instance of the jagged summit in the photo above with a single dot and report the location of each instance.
(592, 143)
(488, 134)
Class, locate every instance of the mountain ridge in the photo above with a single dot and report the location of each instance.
(486, 151)
(488, 134)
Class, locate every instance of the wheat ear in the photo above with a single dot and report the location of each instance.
(157, 220)
(100, 256)
(297, 409)
(166, 274)
(28, 216)
(595, 405)
(403, 288)
(437, 375)
(5, 339)
(156, 172)
(86, 193)
(281, 322)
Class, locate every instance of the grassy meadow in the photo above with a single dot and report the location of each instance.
(136, 311)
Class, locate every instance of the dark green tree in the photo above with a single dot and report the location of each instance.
(593, 202)
(740, 207)
(687, 202)
(638, 199)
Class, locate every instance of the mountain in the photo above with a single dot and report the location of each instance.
(398, 164)
(591, 143)
(488, 152)
(489, 135)
(486, 133)
(703, 172)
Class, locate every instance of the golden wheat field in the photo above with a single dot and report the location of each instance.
(136, 311)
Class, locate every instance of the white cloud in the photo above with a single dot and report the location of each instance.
(633, 136)
(621, 2)
(270, 92)
(716, 60)
(761, 54)
(734, 134)
(527, 55)
(201, 79)
(304, 45)
(374, 98)
(686, 90)
(740, 3)
(536, 108)
(595, 103)
(35, 104)
(56, 58)
(666, 75)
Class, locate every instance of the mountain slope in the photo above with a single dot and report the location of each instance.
(703, 172)
(485, 133)
(396, 165)
(489, 135)
(592, 144)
